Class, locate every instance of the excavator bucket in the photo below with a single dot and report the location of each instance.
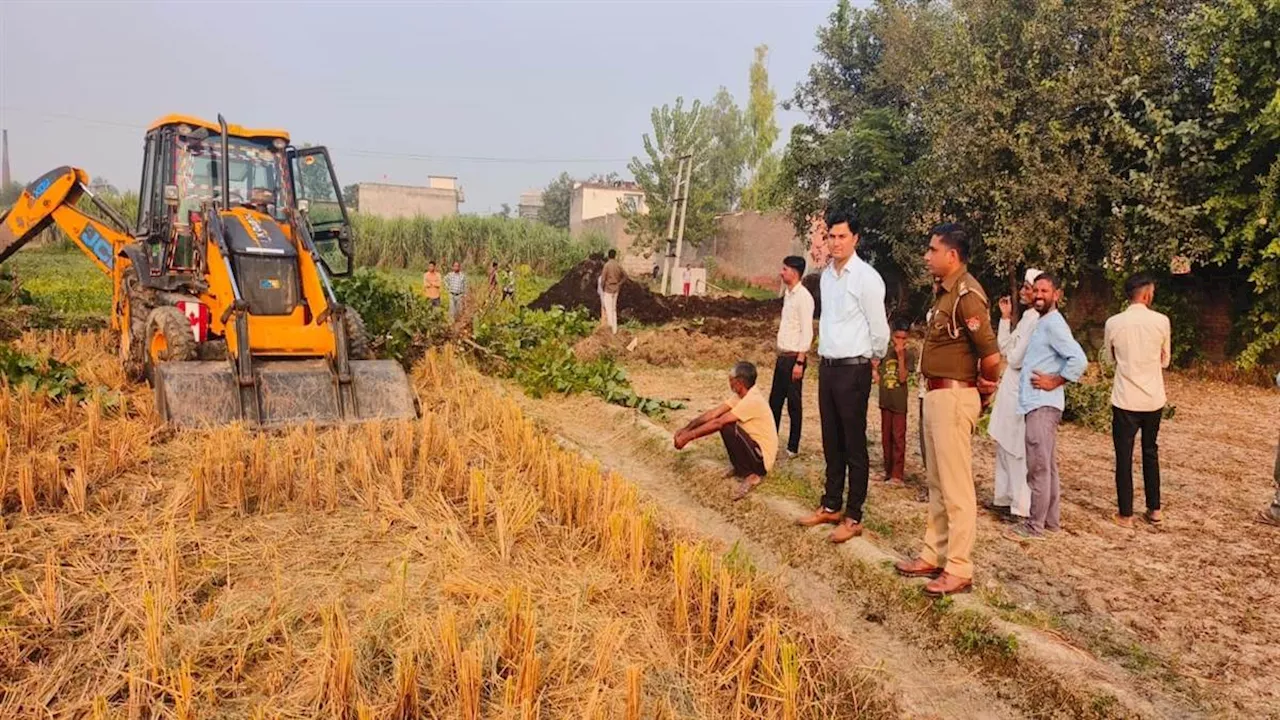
(284, 392)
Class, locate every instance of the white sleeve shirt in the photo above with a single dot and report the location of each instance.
(795, 331)
(853, 322)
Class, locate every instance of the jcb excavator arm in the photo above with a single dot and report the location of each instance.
(52, 199)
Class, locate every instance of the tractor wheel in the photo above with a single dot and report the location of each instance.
(133, 327)
(168, 338)
(358, 344)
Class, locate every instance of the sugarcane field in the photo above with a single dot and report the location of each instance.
(841, 360)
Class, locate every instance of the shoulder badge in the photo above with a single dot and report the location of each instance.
(973, 324)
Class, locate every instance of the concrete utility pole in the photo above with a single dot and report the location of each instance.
(5, 177)
(679, 203)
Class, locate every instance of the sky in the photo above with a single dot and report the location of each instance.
(503, 95)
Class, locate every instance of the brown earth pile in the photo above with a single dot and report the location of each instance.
(577, 289)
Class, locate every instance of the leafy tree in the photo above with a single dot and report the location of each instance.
(677, 132)
(9, 194)
(505, 213)
(1235, 43)
(727, 153)
(350, 197)
(763, 166)
(555, 202)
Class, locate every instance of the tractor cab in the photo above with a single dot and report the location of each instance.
(270, 185)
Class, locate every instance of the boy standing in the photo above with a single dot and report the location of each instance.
(892, 375)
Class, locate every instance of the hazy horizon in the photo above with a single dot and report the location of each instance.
(504, 96)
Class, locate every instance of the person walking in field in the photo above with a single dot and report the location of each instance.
(1053, 359)
(611, 277)
(456, 283)
(1139, 342)
(431, 284)
(493, 279)
(508, 284)
(892, 375)
(1008, 427)
(960, 364)
(745, 425)
(852, 331)
(795, 337)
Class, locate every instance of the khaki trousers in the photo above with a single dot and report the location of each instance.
(950, 415)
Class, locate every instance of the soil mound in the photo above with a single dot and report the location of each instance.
(577, 289)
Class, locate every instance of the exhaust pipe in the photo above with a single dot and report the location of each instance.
(226, 164)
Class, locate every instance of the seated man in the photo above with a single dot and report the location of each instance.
(745, 424)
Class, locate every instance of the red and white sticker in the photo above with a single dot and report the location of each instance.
(198, 315)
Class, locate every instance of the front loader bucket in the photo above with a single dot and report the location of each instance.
(285, 392)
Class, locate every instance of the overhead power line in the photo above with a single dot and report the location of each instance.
(352, 151)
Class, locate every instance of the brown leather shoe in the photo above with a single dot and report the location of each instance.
(917, 568)
(821, 516)
(846, 530)
(947, 584)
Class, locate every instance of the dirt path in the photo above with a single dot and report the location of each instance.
(1186, 609)
(933, 662)
(924, 684)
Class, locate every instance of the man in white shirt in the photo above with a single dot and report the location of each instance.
(1008, 426)
(853, 332)
(795, 337)
(1138, 341)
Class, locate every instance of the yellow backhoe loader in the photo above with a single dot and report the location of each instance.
(221, 288)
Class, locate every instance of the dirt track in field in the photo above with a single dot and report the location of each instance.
(1187, 610)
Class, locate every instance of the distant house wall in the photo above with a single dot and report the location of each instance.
(594, 200)
(397, 201)
(750, 246)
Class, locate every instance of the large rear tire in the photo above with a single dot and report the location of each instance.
(359, 347)
(133, 327)
(168, 338)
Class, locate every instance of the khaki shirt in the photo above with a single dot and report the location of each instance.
(612, 277)
(959, 332)
(431, 284)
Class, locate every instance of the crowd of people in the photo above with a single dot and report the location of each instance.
(1018, 370)
(454, 283)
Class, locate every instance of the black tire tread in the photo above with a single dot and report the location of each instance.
(359, 346)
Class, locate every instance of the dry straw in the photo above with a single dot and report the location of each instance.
(461, 565)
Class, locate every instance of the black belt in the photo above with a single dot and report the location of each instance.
(837, 362)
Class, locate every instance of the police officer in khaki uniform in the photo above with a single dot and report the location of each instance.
(961, 366)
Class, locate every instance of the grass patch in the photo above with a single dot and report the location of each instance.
(784, 483)
(64, 282)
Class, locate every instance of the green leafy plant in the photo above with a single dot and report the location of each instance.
(44, 375)
(401, 323)
(535, 348)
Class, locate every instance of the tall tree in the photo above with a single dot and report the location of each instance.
(1236, 44)
(677, 131)
(728, 150)
(763, 166)
(350, 197)
(556, 199)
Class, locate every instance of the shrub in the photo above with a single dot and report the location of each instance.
(47, 376)
(401, 323)
(1088, 402)
(535, 348)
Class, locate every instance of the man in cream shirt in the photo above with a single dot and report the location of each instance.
(1138, 342)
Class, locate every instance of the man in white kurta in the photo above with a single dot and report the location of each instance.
(1008, 426)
